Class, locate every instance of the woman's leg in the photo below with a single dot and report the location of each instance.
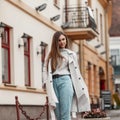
(66, 96)
(64, 92)
(57, 109)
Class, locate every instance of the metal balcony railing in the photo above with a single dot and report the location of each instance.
(78, 17)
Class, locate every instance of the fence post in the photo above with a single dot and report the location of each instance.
(17, 107)
(47, 108)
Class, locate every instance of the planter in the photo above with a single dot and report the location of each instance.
(106, 118)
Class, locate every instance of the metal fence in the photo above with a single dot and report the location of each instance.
(78, 17)
(20, 108)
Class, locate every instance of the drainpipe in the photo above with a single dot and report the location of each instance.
(107, 46)
(81, 45)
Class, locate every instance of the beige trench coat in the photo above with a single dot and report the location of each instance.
(81, 100)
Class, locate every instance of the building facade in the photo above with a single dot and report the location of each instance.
(28, 26)
(90, 31)
(115, 44)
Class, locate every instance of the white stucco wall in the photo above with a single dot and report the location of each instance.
(96, 5)
(20, 23)
(50, 11)
(23, 23)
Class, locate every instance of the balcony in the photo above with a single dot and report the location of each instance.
(79, 23)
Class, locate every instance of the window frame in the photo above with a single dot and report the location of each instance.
(7, 47)
(43, 56)
(27, 54)
(101, 28)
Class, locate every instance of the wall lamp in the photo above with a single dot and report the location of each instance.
(55, 18)
(97, 46)
(22, 42)
(2, 26)
(103, 52)
(41, 47)
(41, 7)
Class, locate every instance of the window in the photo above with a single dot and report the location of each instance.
(27, 62)
(115, 57)
(115, 60)
(95, 78)
(115, 52)
(117, 70)
(66, 5)
(118, 60)
(6, 56)
(101, 28)
(43, 54)
(97, 17)
(89, 77)
(97, 22)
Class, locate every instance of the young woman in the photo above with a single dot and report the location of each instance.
(66, 88)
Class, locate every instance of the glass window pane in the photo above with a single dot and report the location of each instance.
(117, 70)
(26, 46)
(5, 65)
(26, 70)
(113, 60)
(5, 37)
(114, 51)
(27, 61)
(43, 54)
(117, 60)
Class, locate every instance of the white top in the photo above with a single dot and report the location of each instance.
(63, 68)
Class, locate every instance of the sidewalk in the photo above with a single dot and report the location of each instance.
(113, 114)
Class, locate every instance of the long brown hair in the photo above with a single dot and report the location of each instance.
(54, 54)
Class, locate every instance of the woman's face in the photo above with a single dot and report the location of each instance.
(62, 41)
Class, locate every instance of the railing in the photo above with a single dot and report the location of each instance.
(78, 17)
(19, 108)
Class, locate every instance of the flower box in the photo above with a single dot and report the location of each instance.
(95, 114)
(106, 118)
